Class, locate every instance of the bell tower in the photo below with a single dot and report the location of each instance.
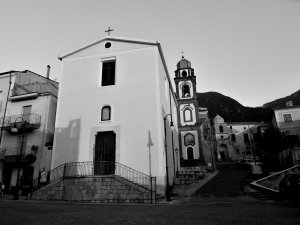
(188, 125)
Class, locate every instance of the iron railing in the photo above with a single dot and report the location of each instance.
(81, 169)
(26, 120)
(270, 184)
(26, 150)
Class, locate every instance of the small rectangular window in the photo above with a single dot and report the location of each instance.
(108, 73)
(233, 137)
(287, 118)
(246, 138)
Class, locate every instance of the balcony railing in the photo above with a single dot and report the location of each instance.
(23, 122)
(27, 153)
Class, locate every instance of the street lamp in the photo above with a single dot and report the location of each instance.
(166, 151)
(14, 129)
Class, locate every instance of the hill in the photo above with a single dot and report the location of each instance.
(231, 110)
(281, 102)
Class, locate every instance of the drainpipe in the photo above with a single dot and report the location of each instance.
(7, 97)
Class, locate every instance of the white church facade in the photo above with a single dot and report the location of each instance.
(116, 104)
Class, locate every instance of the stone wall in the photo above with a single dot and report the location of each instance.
(102, 189)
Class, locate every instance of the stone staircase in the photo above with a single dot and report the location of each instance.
(100, 189)
(103, 182)
(188, 175)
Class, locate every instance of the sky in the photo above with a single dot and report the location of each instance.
(248, 50)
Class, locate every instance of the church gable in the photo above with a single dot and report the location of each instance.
(108, 45)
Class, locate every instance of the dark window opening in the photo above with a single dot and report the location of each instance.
(184, 73)
(233, 137)
(246, 138)
(186, 91)
(108, 73)
(287, 118)
(107, 45)
(221, 129)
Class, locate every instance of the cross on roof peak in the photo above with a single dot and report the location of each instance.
(108, 31)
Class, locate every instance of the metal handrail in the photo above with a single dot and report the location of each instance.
(271, 182)
(30, 118)
(10, 151)
(79, 169)
(48, 177)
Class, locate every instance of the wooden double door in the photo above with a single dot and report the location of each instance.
(105, 153)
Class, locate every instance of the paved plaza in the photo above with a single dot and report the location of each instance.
(204, 211)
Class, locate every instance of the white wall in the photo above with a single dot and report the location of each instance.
(295, 113)
(137, 101)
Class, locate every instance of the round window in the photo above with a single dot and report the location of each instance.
(107, 45)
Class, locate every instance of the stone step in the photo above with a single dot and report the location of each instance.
(102, 189)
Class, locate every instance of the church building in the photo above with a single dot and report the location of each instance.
(116, 104)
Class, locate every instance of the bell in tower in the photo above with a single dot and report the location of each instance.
(185, 80)
(184, 68)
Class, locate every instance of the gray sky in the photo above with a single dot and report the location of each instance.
(246, 49)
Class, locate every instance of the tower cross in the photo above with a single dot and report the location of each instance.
(182, 52)
(108, 31)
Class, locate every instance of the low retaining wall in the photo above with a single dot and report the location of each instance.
(102, 189)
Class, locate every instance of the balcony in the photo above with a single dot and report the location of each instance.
(15, 154)
(21, 123)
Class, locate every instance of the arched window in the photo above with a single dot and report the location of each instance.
(221, 129)
(187, 115)
(105, 113)
(189, 139)
(184, 73)
(186, 91)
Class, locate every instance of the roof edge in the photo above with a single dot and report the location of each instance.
(109, 38)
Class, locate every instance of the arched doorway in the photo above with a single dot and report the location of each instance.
(223, 151)
(190, 153)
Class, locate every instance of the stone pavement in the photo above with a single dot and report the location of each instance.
(191, 210)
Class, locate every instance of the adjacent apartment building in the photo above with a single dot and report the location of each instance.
(288, 121)
(27, 110)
